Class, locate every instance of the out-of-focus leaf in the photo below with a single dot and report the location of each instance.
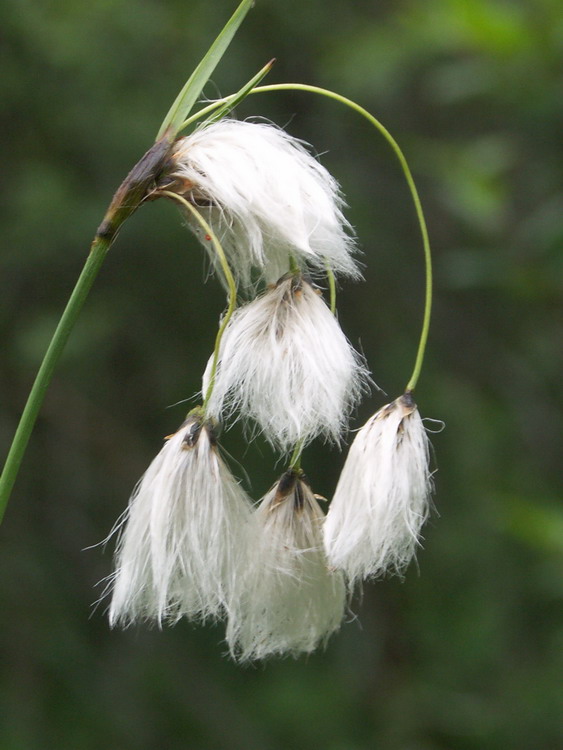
(537, 523)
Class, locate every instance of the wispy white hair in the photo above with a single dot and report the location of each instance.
(285, 362)
(292, 601)
(382, 498)
(266, 198)
(184, 535)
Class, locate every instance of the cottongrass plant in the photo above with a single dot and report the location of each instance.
(190, 543)
(292, 601)
(285, 363)
(266, 198)
(382, 497)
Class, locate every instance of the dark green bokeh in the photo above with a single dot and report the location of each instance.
(466, 653)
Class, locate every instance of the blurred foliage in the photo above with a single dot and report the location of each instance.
(465, 654)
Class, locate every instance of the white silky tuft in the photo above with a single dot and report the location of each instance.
(291, 602)
(184, 536)
(285, 363)
(265, 198)
(382, 498)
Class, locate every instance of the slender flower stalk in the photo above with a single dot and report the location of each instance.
(229, 280)
(291, 602)
(423, 340)
(331, 288)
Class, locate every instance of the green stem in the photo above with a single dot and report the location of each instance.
(413, 380)
(294, 266)
(232, 303)
(332, 288)
(295, 460)
(205, 111)
(98, 252)
(129, 196)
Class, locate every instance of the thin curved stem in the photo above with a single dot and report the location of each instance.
(414, 194)
(413, 380)
(331, 288)
(205, 111)
(97, 254)
(232, 301)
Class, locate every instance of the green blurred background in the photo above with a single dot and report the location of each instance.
(465, 654)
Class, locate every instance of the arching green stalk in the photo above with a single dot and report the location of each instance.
(415, 197)
(232, 301)
(413, 380)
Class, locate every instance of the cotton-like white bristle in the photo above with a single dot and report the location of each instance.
(382, 498)
(285, 363)
(291, 602)
(265, 197)
(185, 534)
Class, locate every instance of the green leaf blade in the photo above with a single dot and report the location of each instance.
(192, 89)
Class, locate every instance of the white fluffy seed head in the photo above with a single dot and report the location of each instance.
(291, 601)
(184, 536)
(265, 197)
(285, 363)
(382, 498)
